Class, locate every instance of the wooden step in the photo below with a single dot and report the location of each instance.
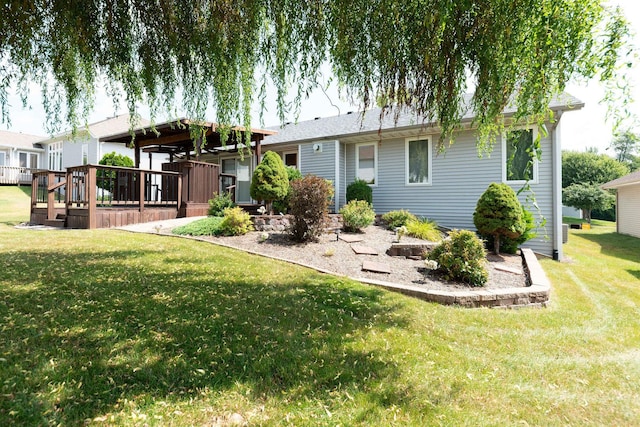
(58, 223)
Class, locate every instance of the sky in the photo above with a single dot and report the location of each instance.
(579, 129)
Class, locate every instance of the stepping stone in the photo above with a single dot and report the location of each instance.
(507, 269)
(363, 250)
(350, 238)
(376, 267)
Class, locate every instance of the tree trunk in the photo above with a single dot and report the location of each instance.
(496, 244)
(586, 215)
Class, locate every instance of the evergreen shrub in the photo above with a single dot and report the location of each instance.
(236, 222)
(219, 203)
(357, 214)
(395, 219)
(498, 214)
(461, 257)
(359, 190)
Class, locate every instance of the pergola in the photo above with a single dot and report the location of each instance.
(174, 138)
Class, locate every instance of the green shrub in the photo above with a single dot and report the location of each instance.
(510, 246)
(219, 203)
(282, 205)
(209, 226)
(499, 214)
(270, 181)
(395, 219)
(309, 207)
(357, 214)
(236, 222)
(359, 190)
(424, 229)
(461, 257)
(105, 178)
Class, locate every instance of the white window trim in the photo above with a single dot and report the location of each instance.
(406, 162)
(29, 154)
(284, 154)
(375, 161)
(534, 180)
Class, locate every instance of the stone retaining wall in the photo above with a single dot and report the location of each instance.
(280, 223)
(535, 295)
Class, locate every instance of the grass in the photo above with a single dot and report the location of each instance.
(209, 226)
(14, 204)
(107, 327)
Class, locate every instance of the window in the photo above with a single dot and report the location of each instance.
(85, 154)
(290, 159)
(418, 161)
(516, 148)
(367, 162)
(55, 156)
(27, 160)
(2, 158)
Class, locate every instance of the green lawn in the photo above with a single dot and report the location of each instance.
(14, 204)
(111, 328)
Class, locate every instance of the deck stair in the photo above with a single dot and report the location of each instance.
(59, 221)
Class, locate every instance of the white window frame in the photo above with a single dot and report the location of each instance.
(284, 154)
(429, 162)
(85, 154)
(55, 156)
(3, 158)
(534, 136)
(29, 154)
(375, 161)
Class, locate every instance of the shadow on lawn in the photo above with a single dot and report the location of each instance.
(614, 244)
(84, 333)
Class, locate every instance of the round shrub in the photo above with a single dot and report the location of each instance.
(498, 214)
(395, 219)
(308, 207)
(357, 214)
(219, 203)
(236, 222)
(359, 190)
(461, 257)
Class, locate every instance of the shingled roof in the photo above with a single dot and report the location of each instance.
(357, 123)
(20, 140)
(632, 178)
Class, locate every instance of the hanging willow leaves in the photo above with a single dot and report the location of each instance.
(199, 54)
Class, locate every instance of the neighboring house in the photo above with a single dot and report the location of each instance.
(627, 203)
(405, 170)
(86, 147)
(20, 154)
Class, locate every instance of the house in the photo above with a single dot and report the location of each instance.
(20, 154)
(87, 146)
(627, 203)
(400, 160)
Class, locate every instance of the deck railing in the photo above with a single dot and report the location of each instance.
(16, 175)
(113, 186)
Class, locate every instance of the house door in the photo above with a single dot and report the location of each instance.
(242, 170)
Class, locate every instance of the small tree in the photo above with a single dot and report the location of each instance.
(270, 181)
(309, 207)
(587, 197)
(105, 178)
(499, 214)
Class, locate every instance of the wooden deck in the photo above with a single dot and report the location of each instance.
(97, 196)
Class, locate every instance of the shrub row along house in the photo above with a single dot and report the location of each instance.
(397, 156)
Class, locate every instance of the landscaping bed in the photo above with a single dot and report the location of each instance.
(335, 255)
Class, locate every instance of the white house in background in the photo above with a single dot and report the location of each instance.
(20, 154)
(86, 147)
(627, 203)
(401, 162)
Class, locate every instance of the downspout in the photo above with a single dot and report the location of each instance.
(556, 182)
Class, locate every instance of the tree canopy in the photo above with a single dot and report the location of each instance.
(590, 168)
(195, 54)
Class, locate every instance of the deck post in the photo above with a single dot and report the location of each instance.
(179, 196)
(68, 190)
(51, 200)
(90, 189)
(34, 191)
(141, 191)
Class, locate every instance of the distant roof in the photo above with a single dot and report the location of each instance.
(19, 140)
(355, 123)
(632, 178)
(108, 126)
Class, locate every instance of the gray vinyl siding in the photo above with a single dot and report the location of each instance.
(322, 163)
(459, 177)
(342, 198)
